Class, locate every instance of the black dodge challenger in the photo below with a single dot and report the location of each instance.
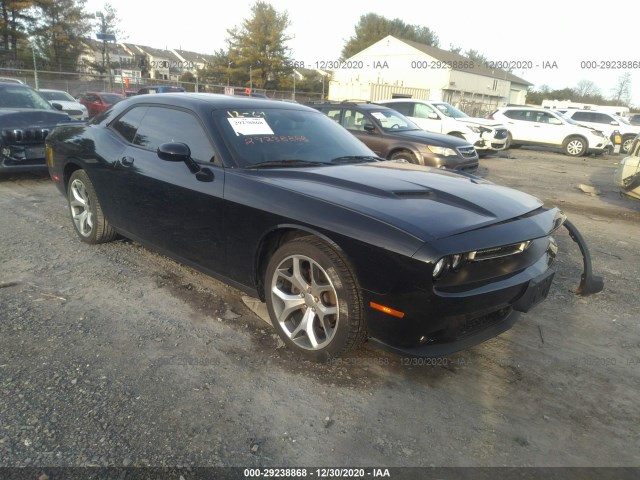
(278, 200)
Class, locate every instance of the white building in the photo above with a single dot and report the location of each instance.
(394, 68)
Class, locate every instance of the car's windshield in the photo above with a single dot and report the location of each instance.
(568, 119)
(16, 96)
(279, 135)
(622, 120)
(392, 121)
(53, 96)
(112, 98)
(450, 110)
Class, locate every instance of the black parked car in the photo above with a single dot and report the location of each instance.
(26, 119)
(280, 201)
(393, 136)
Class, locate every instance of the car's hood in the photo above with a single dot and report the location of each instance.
(24, 118)
(435, 139)
(427, 203)
(480, 121)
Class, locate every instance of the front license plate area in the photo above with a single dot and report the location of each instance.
(537, 291)
(31, 153)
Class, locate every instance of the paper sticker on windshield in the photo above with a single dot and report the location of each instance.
(379, 115)
(250, 126)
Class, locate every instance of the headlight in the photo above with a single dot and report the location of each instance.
(597, 133)
(441, 267)
(475, 129)
(456, 260)
(444, 151)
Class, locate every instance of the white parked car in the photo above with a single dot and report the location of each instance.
(607, 123)
(541, 127)
(627, 175)
(441, 117)
(69, 105)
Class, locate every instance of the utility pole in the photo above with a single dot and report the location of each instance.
(106, 37)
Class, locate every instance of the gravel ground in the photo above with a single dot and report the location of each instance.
(113, 355)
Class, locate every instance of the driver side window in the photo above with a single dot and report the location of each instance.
(423, 111)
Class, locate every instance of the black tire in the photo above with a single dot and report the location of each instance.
(404, 155)
(626, 144)
(86, 212)
(509, 144)
(325, 283)
(575, 146)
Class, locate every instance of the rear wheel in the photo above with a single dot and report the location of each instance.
(313, 299)
(86, 212)
(575, 146)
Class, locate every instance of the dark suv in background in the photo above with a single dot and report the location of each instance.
(26, 119)
(393, 136)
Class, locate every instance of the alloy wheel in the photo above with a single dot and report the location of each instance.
(80, 205)
(305, 302)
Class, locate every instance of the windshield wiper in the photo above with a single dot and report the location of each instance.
(356, 159)
(285, 163)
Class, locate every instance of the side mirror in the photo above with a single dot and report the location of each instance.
(433, 116)
(613, 122)
(57, 106)
(369, 127)
(180, 152)
(174, 152)
(555, 121)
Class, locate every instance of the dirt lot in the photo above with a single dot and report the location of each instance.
(113, 355)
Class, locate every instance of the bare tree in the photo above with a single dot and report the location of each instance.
(586, 88)
(622, 91)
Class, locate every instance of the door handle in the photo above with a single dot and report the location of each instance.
(127, 161)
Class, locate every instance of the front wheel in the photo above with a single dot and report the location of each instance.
(313, 299)
(404, 155)
(575, 146)
(626, 145)
(86, 212)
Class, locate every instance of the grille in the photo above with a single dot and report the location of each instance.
(467, 152)
(74, 113)
(27, 135)
(500, 133)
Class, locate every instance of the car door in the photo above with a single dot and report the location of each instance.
(93, 104)
(547, 128)
(520, 124)
(427, 118)
(162, 202)
(355, 121)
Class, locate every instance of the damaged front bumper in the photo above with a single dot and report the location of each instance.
(589, 283)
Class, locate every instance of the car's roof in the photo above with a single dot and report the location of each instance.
(406, 100)
(11, 80)
(192, 100)
(50, 90)
(350, 104)
(14, 84)
(533, 109)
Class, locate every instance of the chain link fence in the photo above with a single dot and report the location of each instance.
(79, 83)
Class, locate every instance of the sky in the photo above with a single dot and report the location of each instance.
(535, 33)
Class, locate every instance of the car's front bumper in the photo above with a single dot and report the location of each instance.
(453, 318)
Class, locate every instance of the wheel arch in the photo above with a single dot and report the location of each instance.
(273, 239)
(404, 148)
(69, 168)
